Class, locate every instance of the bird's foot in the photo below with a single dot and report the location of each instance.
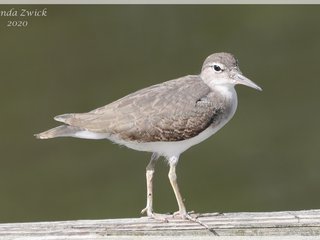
(193, 217)
(146, 210)
(165, 217)
(156, 216)
(184, 215)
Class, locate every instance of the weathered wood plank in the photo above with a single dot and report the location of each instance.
(289, 223)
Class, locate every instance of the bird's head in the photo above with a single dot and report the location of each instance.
(221, 69)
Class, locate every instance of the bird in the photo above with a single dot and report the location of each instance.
(165, 119)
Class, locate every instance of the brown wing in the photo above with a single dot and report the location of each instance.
(171, 111)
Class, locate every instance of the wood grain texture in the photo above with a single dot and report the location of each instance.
(290, 223)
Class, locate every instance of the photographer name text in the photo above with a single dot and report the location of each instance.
(22, 13)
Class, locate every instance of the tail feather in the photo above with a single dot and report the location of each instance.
(60, 131)
(64, 117)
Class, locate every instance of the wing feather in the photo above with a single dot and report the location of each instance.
(171, 111)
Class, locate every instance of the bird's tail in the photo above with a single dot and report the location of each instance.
(60, 131)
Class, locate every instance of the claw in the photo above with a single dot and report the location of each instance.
(147, 211)
(143, 211)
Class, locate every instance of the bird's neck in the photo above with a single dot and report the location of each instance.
(229, 94)
(227, 91)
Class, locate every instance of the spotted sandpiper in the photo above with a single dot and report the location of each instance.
(165, 119)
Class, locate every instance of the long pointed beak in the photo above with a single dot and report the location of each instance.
(240, 79)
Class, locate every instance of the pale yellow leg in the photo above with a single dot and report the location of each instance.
(182, 209)
(173, 180)
(149, 176)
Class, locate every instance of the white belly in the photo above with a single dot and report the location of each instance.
(168, 149)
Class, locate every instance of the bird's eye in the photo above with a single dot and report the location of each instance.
(217, 68)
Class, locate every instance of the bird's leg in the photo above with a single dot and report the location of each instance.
(149, 175)
(173, 161)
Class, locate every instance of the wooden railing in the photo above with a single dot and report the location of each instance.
(287, 223)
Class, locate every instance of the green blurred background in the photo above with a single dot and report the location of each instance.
(82, 57)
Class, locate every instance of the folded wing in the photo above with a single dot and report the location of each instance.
(171, 111)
